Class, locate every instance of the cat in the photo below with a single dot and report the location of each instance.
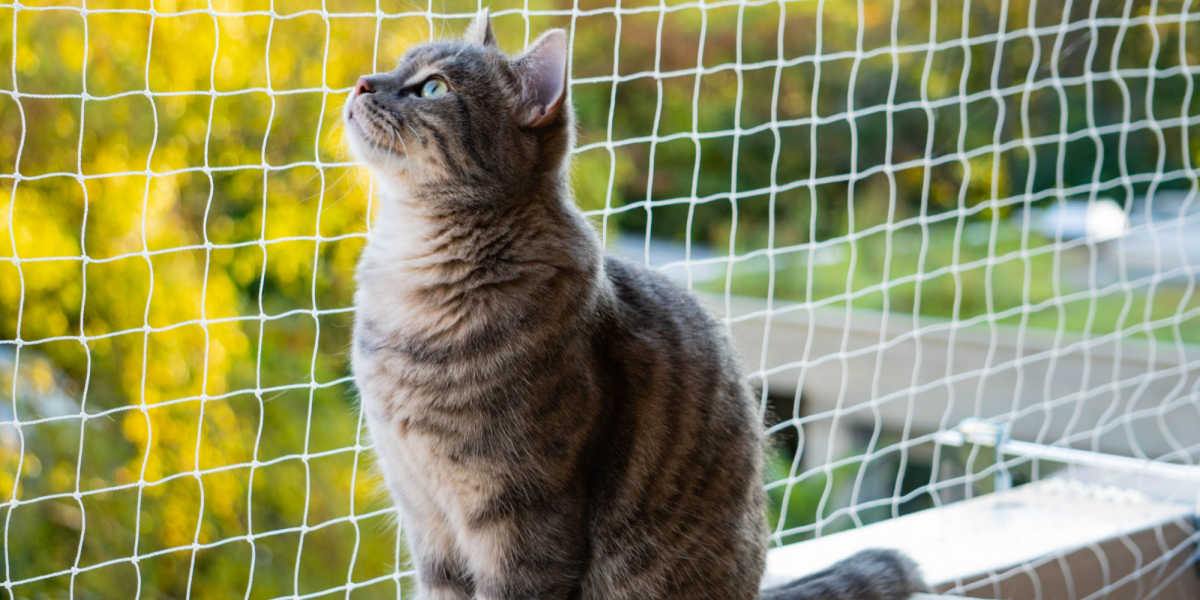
(551, 422)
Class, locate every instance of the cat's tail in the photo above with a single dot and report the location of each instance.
(868, 575)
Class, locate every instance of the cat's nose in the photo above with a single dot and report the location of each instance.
(363, 87)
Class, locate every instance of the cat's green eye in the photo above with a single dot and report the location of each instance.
(434, 87)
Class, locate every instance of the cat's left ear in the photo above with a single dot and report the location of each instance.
(480, 29)
(542, 70)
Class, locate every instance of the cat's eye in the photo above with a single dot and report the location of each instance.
(434, 87)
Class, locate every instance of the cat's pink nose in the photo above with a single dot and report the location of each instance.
(363, 87)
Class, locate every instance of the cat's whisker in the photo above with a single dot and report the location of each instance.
(402, 143)
(400, 139)
(416, 136)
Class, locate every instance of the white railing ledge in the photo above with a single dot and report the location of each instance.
(1086, 534)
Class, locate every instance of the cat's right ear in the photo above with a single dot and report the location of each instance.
(480, 29)
(542, 71)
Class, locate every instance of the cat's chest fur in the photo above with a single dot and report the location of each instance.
(452, 343)
(416, 403)
(404, 345)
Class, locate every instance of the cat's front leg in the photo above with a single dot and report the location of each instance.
(441, 572)
(441, 581)
(534, 554)
(441, 569)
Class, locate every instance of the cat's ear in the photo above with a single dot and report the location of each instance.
(480, 29)
(542, 70)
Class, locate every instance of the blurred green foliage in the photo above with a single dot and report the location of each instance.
(182, 225)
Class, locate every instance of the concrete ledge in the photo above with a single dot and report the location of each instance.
(1059, 538)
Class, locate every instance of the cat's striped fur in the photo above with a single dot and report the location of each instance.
(551, 423)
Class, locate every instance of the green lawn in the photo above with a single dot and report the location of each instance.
(1031, 282)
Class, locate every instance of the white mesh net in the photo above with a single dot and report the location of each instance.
(910, 214)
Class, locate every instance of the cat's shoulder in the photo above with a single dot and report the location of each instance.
(644, 292)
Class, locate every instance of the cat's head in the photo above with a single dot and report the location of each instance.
(464, 114)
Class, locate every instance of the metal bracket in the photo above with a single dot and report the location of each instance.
(984, 433)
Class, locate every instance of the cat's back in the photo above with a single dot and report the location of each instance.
(647, 310)
(678, 485)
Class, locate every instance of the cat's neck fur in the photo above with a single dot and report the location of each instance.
(438, 269)
(410, 229)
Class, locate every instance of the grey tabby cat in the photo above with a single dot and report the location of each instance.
(551, 422)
